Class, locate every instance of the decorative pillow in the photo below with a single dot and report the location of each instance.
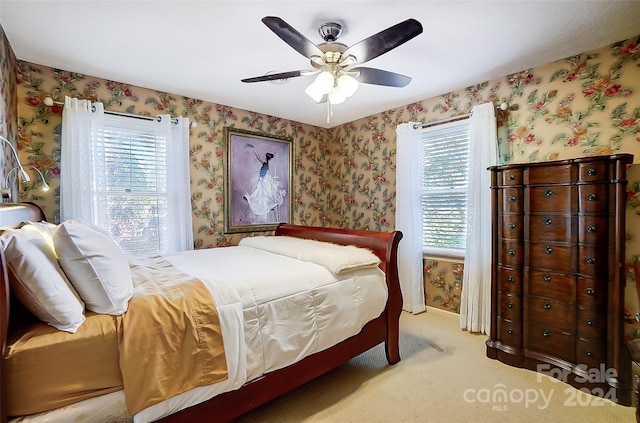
(37, 283)
(95, 266)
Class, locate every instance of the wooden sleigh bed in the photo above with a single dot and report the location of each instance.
(228, 405)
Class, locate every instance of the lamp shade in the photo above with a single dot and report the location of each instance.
(313, 92)
(336, 96)
(348, 84)
(324, 82)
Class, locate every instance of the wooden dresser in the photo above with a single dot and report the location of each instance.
(558, 271)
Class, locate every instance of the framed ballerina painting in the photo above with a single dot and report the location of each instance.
(258, 181)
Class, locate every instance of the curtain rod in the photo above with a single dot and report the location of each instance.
(441, 121)
(502, 106)
(134, 116)
(48, 101)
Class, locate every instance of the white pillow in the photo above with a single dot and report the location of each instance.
(41, 234)
(95, 266)
(37, 283)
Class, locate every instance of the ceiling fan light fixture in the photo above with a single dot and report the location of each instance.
(313, 92)
(324, 82)
(348, 85)
(336, 95)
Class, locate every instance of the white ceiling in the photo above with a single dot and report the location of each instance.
(202, 49)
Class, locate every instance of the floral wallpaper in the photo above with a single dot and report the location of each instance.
(582, 105)
(345, 176)
(7, 104)
(40, 129)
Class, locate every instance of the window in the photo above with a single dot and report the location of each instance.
(131, 184)
(444, 188)
(128, 174)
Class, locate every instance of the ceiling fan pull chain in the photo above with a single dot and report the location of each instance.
(329, 111)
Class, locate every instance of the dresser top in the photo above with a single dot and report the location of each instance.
(622, 157)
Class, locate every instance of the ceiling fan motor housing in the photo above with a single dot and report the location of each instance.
(330, 31)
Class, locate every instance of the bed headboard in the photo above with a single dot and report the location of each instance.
(13, 214)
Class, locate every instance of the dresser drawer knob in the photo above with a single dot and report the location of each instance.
(591, 228)
(548, 249)
(592, 172)
(589, 322)
(510, 331)
(511, 279)
(546, 333)
(512, 198)
(590, 260)
(592, 197)
(512, 225)
(591, 291)
(511, 177)
(548, 193)
(547, 278)
(512, 252)
(510, 305)
(548, 221)
(546, 306)
(589, 353)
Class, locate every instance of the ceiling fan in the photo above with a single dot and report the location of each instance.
(332, 61)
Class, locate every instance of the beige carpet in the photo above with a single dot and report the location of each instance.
(444, 376)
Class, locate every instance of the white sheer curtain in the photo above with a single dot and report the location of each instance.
(409, 216)
(77, 200)
(180, 237)
(82, 169)
(475, 307)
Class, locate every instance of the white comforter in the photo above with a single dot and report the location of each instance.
(274, 309)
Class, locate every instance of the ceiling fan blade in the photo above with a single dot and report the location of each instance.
(274, 76)
(381, 77)
(383, 41)
(289, 35)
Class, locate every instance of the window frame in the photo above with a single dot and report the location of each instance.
(439, 251)
(103, 188)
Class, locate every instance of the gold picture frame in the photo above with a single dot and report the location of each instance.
(258, 171)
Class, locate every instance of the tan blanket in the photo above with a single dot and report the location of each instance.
(170, 339)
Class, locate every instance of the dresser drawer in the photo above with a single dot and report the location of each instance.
(511, 199)
(510, 307)
(549, 313)
(592, 172)
(511, 253)
(592, 261)
(591, 323)
(551, 256)
(510, 332)
(593, 198)
(549, 340)
(510, 177)
(595, 230)
(510, 280)
(559, 174)
(590, 353)
(510, 226)
(550, 285)
(550, 227)
(591, 293)
(550, 199)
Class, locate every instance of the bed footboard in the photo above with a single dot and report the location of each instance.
(385, 246)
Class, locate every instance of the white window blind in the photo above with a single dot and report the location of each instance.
(132, 184)
(444, 188)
